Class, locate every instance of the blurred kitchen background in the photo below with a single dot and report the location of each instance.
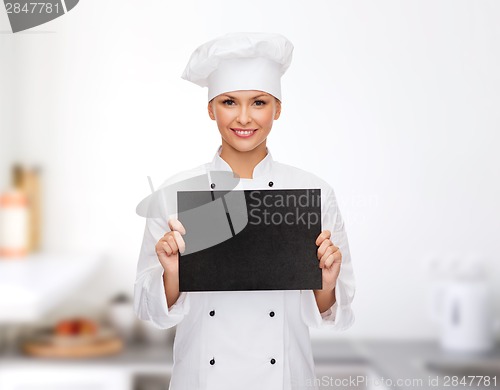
(394, 103)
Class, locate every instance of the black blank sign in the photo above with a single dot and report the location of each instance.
(250, 240)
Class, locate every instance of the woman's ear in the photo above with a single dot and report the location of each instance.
(210, 110)
(278, 109)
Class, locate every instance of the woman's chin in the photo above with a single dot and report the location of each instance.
(244, 144)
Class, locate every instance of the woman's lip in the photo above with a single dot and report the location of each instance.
(244, 136)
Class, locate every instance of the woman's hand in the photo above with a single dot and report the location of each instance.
(330, 258)
(169, 246)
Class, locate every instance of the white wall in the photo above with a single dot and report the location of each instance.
(394, 103)
(6, 106)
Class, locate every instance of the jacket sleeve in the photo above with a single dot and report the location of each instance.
(340, 315)
(150, 302)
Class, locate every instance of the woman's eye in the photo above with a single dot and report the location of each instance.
(260, 102)
(228, 102)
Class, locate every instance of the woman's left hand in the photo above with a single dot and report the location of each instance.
(330, 258)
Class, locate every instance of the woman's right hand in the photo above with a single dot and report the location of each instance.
(168, 247)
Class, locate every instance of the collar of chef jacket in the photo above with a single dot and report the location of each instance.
(262, 173)
(164, 201)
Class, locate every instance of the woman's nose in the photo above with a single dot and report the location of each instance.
(244, 117)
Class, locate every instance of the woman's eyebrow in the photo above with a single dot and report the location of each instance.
(255, 97)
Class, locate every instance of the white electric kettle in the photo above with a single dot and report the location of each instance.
(462, 305)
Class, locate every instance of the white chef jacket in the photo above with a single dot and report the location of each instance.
(245, 339)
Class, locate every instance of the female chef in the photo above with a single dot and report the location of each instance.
(244, 339)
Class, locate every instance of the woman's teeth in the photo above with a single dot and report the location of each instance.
(244, 133)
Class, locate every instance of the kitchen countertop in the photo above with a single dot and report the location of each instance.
(33, 285)
(136, 357)
(413, 364)
(390, 360)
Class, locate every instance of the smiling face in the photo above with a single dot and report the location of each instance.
(244, 118)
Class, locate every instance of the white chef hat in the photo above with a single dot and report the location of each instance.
(240, 61)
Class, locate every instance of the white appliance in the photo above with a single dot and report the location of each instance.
(463, 307)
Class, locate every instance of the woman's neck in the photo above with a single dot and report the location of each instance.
(243, 163)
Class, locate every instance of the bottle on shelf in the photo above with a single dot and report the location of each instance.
(20, 215)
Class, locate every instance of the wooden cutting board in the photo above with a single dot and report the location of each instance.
(102, 344)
